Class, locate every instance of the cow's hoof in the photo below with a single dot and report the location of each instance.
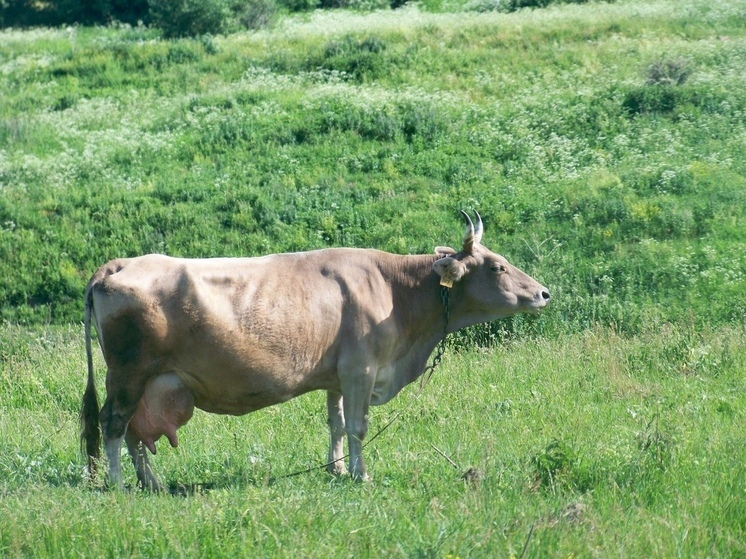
(111, 484)
(337, 469)
(361, 477)
(153, 486)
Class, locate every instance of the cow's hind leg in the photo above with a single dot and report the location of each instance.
(114, 418)
(119, 408)
(335, 464)
(140, 461)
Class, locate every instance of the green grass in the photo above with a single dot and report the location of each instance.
(595, 444)
(603, 145)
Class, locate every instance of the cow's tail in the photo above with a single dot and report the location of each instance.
(90, 434)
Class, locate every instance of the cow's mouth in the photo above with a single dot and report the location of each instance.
(539, 302)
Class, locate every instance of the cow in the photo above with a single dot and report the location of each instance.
(233, 335)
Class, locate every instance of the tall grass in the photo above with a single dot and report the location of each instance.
(591, 444)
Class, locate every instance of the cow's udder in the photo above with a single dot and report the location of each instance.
(166, 405)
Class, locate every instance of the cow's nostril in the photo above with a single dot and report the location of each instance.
(545, 295)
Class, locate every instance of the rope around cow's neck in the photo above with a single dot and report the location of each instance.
(445, 298)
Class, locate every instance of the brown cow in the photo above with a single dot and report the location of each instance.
(233, 335)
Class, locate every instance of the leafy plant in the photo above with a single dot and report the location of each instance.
(553, 464)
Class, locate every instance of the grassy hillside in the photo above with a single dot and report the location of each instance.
(602, 143)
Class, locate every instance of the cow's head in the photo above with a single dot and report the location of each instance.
(492, 287)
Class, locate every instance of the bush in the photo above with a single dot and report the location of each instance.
(362, 5)
(512, 5)
(647, 99)
(190, 18)
(668, 72)
(62, 12)
(256, 14)
(552, 464)
(298, 5)
(363, 59)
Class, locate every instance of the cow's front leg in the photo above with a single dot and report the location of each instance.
(356, 402)
(335, 463)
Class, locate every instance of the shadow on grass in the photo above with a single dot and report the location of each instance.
(240, 481)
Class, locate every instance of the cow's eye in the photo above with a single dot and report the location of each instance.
(498, 268)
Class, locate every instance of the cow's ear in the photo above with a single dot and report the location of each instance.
(449, 269)
(444, 251)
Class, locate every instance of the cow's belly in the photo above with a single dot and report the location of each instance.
(238, 392)
(239, 399)
(236, 371)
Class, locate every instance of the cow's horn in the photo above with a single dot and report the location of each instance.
(469, 237)
(480, 228)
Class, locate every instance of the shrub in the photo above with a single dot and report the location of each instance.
(512, 5)
(362, 5)
(256, 14)
(517, 4)
(650, 99)
(668, 72)
(190, 18)
(360, 58)
(661, 92)
(298, 5)
(129, 11)
(61, 12)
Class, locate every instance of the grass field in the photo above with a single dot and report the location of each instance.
(590, 445)
(603, 145)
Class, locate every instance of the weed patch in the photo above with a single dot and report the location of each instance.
(553, 465)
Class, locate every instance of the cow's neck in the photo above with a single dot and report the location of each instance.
(420, 320)
(417, 298)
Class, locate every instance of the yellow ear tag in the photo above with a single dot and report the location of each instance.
(446, 282)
